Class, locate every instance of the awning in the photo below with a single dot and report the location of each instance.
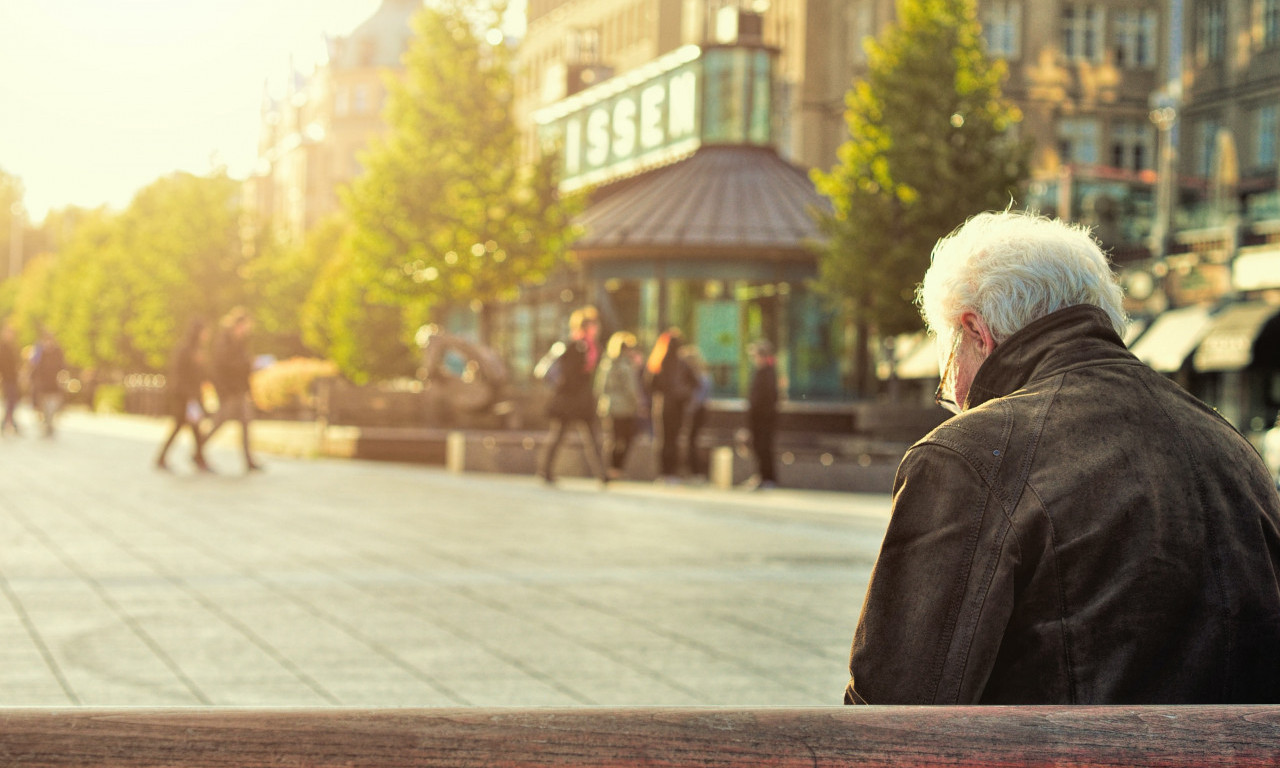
(1170, 339)
(731, 202)
(1228, 346)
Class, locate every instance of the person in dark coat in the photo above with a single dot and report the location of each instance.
(47, 362)
(232, 366)
(1082, 530)
(762, 412)
(696, 417)
(183, 393)
(571, 369)
(671, 385)
(10, 370)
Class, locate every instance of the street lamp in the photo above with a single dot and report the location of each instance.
(17, 224)
(1165, 117)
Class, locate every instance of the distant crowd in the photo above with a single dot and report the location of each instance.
(614, 394)
(39, 372)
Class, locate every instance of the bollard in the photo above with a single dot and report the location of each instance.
(722, 467)
(455, 452)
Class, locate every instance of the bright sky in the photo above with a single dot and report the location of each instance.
(98, 98)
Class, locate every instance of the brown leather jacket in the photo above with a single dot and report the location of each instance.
(1086, 533)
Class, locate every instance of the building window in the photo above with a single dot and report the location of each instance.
(1078, 140)
(1211, 30)
(584, 45)
(1082, 31)
(1131, 145)
(1001, 27)
(1270, 23)
(1136, 35)
(1266, 127)
(361, 105)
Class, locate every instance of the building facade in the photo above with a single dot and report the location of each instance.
(312, 134)
(1211, 294)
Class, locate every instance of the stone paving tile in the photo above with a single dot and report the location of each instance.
(346, 583)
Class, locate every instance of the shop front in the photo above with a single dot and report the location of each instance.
(696, 223)
(719, 246)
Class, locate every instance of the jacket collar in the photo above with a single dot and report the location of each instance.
(1056, 342)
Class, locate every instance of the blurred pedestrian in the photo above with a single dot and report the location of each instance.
(619, 398)
(232, 365)
(10, 383)
(762, 412)
(570, 368)
(671, 385)
(47, 363)
(183, 390)
(696, 415)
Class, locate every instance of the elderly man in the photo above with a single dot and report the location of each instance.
(1083, 530)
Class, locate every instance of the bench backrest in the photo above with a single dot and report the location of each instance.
(646, 736)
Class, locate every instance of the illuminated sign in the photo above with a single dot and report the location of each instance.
(660, 112)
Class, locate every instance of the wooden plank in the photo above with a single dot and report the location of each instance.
(992, 737)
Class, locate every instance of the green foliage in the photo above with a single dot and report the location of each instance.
(281, 278)
(930, 144)
(446, 212)
(31, 297)
(108, 398)
(367, 338)
(121, 287)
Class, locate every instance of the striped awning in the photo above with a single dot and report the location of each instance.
(1228, 345)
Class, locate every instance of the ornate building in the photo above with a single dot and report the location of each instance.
(312, 134)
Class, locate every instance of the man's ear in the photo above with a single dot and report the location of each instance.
(972, 323)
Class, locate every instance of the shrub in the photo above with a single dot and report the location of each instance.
(108, 398)
(288, 384)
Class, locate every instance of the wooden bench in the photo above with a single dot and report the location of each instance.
(646, 736)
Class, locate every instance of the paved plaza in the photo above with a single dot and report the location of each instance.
(343, 583)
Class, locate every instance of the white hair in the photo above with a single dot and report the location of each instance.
(1012, 268)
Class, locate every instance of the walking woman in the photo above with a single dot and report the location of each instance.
(618, 395)
(186, 406)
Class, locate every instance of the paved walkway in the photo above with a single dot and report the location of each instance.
(331, 582)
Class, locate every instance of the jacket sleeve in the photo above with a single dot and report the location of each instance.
(941, 592)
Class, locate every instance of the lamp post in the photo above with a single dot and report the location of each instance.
(1165, 116)
(17, 225)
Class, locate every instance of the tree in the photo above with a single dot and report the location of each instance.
(358, 332)
(340, 320)
(121, 287)
(930, 144)
(280, 279)
(446, 211)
